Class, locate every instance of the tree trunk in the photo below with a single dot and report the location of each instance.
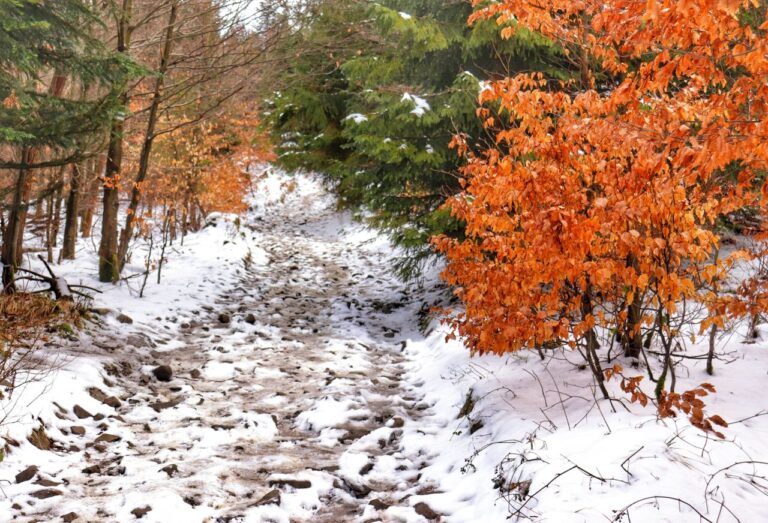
(86, 224)
(14, 230)
(109, 268)
(56, 224)
(149, 138)
(70, 221)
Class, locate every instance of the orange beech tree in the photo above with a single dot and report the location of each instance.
(201, 169)
(597, 208)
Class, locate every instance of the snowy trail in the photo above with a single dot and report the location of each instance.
(286, 401)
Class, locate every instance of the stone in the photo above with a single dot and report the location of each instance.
(359, 491)
(224, 318)
(270, 498)
(45, 493)
(195, 373)
(81, 413)
(424, 510)
(100, 396)
(162, 405)
(163, 373)
(124, 318)
(109, 438)
(26, 474)
(397, 422)
(366, 469)
(43, 482)
(295, 483)
(93, 469)
(171, 470)
(70, 517)
(378, 504)
(141, 512)
(40, 439)
(250, 318)
(140, 342)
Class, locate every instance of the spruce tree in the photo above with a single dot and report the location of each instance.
(377, 114)
(48, 43)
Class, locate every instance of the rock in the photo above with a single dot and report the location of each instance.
(359, 491)
(16, 506)
(162, 405)
(378, 504)
(109, 438)
(366, 469)
(171, 470)
(69, 518)
(295, 483)
(81, 413)
(100, 396)
(93, 469)
(424, 510)
(195, 373)
(45, 493)
(26, 474)
(141, 512)
(124, 318)
(101, 311)
(43, 482)
(40, 439)
(140, 342)
(397, 422)
(163, 373)
(224, 318)
(270, 498)
(250, 318)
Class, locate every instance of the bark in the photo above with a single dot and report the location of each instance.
(14, 229)
(49, 225)
(109, 269)
(149, 136)
(86, 225)
(70, 221)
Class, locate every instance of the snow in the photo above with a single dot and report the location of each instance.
(421, 105)
(357, 118)
(347, 392)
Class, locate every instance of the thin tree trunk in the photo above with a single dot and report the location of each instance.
(86, 224)
(70, 221)
(149, 137)
(50, 204)
(56, 223)
(11, 255)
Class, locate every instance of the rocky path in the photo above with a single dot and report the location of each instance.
(282, 401)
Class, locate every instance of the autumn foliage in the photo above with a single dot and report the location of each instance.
(597, 209)
(202, 168)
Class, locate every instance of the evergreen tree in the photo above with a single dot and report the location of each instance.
(45, 38)
(48, 43)
(377, 111)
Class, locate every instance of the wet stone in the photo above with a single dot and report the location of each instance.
(26, 474)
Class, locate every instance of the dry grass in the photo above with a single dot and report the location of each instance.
(25, 323)
(25, 315)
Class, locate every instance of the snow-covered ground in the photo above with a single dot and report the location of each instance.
(304, 389)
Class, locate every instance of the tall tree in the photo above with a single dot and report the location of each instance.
(49, 42)
(375, 96)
